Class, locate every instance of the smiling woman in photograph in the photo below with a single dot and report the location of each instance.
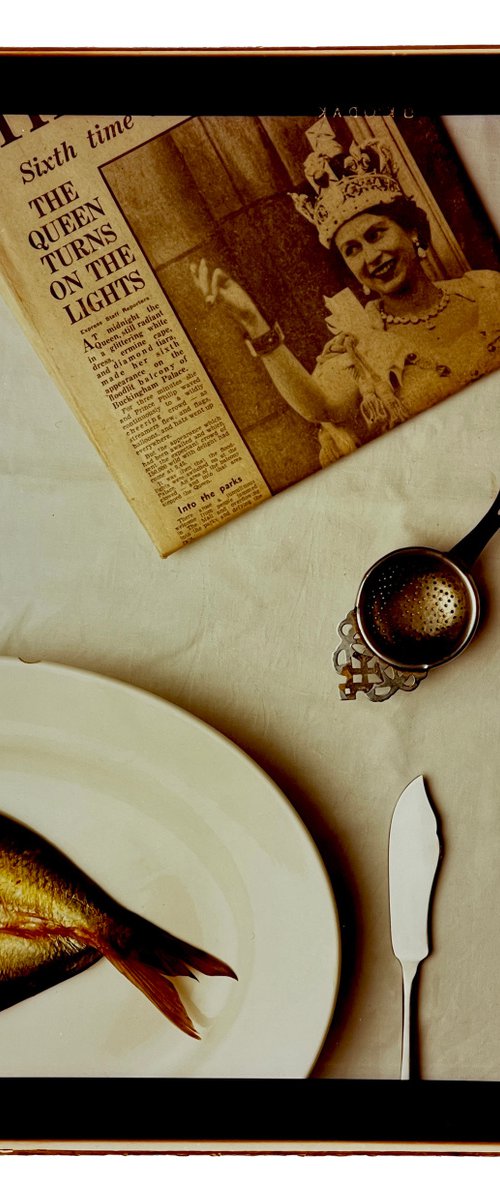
(415, 340)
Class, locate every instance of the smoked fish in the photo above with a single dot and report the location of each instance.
(55, 921)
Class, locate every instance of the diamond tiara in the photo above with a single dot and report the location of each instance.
(344, 184)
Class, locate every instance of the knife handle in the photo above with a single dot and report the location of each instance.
(409, 970)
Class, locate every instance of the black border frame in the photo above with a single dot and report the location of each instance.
(205, 1112)
(438, 82)
(199, 1113)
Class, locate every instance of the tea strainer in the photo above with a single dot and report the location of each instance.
(416, 609)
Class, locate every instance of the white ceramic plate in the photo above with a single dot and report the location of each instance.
(182, 827)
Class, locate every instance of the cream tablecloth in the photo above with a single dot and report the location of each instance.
(239, 629)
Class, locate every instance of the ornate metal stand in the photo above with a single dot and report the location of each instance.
(363, 671)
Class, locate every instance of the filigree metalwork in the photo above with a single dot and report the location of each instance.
(363, 671)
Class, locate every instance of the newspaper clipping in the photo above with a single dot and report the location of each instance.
(232, 303)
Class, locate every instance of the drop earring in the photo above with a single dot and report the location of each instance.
(366, 289)
(419, 250)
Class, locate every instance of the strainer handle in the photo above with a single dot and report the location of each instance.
(471, 546)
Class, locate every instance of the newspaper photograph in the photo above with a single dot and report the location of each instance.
(232, 303)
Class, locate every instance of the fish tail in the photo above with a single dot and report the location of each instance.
(155, 985)
(169, 953)
(148, 956)
(176, 957)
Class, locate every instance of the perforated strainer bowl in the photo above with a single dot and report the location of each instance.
(417, 608)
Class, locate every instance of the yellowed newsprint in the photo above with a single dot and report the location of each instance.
(230, 303)
(92, 304)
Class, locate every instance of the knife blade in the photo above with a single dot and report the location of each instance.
(414, 853)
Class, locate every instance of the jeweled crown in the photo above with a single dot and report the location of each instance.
(344, 184)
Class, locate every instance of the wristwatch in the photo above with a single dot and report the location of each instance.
(267, 342)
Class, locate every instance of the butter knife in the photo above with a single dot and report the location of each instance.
(414, 851)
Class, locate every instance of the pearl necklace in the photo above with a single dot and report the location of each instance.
(416, 318)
